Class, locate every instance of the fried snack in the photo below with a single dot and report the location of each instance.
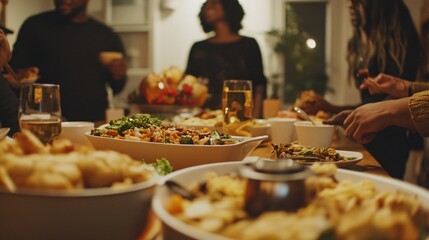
(29, 143)
(5, 180)
(26, 163)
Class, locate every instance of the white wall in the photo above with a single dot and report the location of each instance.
(18, 10)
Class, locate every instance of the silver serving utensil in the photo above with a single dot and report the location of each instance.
(179, 189)
(274, 185)
(303, 114)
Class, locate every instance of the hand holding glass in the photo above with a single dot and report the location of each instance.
(237, 107)
(40, 111)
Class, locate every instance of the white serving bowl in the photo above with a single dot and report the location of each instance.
(176, 229)
(179, 155)
(261, 127)
(75, 131)
(319, 135)
(99, 213)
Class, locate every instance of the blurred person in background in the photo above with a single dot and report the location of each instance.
(64, 45)
(226, 54)
(8, 100)
(384, 40)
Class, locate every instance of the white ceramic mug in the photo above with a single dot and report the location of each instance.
(75, 132)
(282, 130)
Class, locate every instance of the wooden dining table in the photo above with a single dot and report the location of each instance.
(368, 164)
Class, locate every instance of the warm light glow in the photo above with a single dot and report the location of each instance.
(311, 43)
(161, 85)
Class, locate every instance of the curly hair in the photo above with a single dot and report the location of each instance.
(234, 13)
(388, 28)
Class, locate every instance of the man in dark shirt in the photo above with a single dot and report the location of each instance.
(65, 45)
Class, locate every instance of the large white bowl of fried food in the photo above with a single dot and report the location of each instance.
(67, 192)
(339, 204)
(144, 137)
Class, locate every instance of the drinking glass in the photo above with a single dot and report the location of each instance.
(40, 111)
(237, 107)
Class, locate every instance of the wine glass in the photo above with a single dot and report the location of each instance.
(40, 111)
(237, 107)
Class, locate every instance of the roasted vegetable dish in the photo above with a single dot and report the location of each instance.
(143, 127)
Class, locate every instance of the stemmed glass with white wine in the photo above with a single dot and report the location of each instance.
(237, 107)
(40, 111)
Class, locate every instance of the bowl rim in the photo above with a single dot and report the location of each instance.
(309, 124)
(76, 124)
(280, 119)
(191, 231)
(243, 140)
(86, 192)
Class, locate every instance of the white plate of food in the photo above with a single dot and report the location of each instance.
(351, 158)
(308, 155)
(150, 144)
(364, 201)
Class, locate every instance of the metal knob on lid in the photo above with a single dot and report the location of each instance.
(274, 185)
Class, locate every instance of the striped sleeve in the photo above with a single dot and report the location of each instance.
(419, 108)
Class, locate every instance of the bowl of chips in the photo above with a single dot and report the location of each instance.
(68, 192)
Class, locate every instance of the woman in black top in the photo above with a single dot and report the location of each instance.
(226, 54)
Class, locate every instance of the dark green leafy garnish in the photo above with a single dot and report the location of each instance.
(125, 123)
(186, 140)
(96, 132)
(308, 153)
(162, 166)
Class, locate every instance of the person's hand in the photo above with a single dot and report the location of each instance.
(23, 76)
(364, 122)
(383, 83)
(5, 53)
(338, 119)
(118, 68)
(315, 104)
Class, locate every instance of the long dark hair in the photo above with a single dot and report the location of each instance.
(234, 13)
(388, 28)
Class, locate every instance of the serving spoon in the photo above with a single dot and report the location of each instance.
(179, 189)
(303, 114)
